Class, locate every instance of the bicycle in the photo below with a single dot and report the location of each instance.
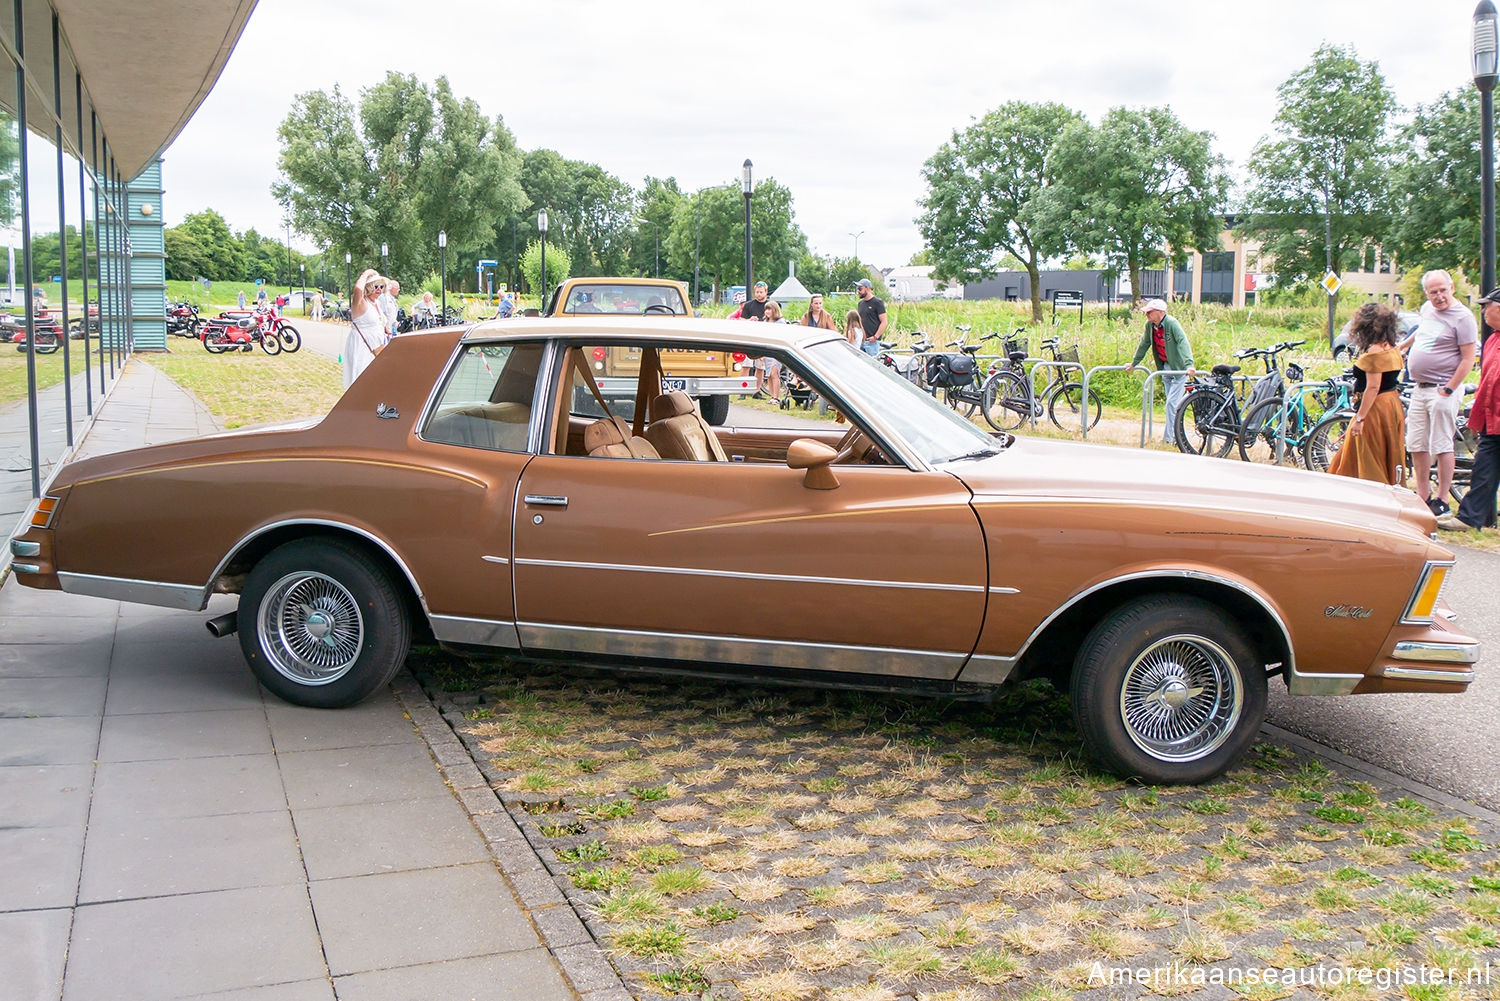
(1014, 397)
(1210, 419)
(1278, 431)
(958, 375)
(913, 367)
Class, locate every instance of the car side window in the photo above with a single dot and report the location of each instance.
(486, 402)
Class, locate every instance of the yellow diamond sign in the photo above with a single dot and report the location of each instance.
(1331, 283)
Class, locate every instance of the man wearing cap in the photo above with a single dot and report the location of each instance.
(1440, 353)
(871, 316)
(1169, 346)
(1477, 509)
(755, 309)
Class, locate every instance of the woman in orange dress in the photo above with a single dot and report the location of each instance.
(1373, 447)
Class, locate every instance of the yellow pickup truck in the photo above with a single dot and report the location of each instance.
(710, 377)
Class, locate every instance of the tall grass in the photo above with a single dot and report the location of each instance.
(1109, 336)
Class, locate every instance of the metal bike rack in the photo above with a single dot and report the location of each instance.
(1148, 399)
(1088, 375)
(1062, 367)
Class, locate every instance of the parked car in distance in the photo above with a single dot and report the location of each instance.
(458, 489)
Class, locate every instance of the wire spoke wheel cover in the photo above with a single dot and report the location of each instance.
(311, 628)
(1181, 698)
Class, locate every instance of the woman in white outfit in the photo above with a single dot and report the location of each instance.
(367, 331)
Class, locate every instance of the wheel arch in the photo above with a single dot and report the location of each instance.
(231, 571)
(1050, 650)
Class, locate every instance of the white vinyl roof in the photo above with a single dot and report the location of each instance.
(148, 64)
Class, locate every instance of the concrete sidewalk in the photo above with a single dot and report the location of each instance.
(170, 830)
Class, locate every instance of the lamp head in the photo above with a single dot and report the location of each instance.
(1482, 56)
(442, 239)
(541, 221)
(745, 178)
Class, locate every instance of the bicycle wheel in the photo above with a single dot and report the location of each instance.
(1007, 401)
(1064, 402)
(963, 399)
(1325, 440)
(1265, 430)
(1207, 423)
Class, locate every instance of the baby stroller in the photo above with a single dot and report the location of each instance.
(796, 392)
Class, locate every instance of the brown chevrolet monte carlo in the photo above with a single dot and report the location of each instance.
(478, 485)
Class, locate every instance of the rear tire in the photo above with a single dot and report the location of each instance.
(1207, 424)
(1167, 689)
(216, 343)
(322, 624)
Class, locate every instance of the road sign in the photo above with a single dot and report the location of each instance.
(1331, 283)
(1067, 299)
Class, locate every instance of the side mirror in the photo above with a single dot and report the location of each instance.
(815, 457)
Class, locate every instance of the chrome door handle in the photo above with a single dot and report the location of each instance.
(545, 500)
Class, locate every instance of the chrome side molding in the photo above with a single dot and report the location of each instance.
(1398, 673)
(1436, 653)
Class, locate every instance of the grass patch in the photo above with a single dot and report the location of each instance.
(246, 388)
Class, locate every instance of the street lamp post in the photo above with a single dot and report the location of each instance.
(443, 269)
(384, 252)
(856, 244)
(289, 259)
(302, 269)
(541, 227)
(1485, 71)
(349, 276)
(747, 187)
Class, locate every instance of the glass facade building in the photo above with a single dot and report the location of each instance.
(81, 221)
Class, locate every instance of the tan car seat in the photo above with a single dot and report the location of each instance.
(679, 432)
(611, 438)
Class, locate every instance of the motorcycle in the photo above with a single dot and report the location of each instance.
(272, 326)
(48, 339)
(183, 319)
(236, 332)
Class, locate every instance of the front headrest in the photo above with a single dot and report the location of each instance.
(601, 434)
(673, 404)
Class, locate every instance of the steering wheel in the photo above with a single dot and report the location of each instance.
(856, 446)
(659, 307)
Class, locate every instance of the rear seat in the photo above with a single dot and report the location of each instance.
(611, 438)
(501, 426)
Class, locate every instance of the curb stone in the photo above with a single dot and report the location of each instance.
(554, 917)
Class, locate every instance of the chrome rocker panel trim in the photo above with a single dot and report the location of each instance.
(474, 632)
(187, 597)
(1322, 684)
(931, 664)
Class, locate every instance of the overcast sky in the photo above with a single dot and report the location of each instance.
(841, 102)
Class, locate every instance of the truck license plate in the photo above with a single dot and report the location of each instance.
(671, 384)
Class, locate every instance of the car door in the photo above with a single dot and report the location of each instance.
(740, 563)
(480, 427)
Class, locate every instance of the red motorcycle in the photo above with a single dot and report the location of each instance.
(48, 339)
(183, 319)
(273, 327)
(236, 332)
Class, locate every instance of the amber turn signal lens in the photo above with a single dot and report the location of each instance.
(1427, 595)
(42, 517)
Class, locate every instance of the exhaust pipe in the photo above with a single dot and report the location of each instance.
(224, 624)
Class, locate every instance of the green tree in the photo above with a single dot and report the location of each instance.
(1435, 211)
(713, 220)
(1324, 173)
(983, 193)
(658, 203)
(1138, 183)
(221, 260)
(409, 162)
(186, 258)
(559, 267)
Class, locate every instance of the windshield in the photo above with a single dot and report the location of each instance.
(932, 429)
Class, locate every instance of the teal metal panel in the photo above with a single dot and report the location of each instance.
(148, 266)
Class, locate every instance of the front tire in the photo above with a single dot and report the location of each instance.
(291, 340)
(1264, 428)
(1168, 690)
(1067, 399)
(1007, 401)
(322, 624)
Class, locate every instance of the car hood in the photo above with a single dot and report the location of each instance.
(1058, 470)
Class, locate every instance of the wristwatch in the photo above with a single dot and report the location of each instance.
(1447, 390)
